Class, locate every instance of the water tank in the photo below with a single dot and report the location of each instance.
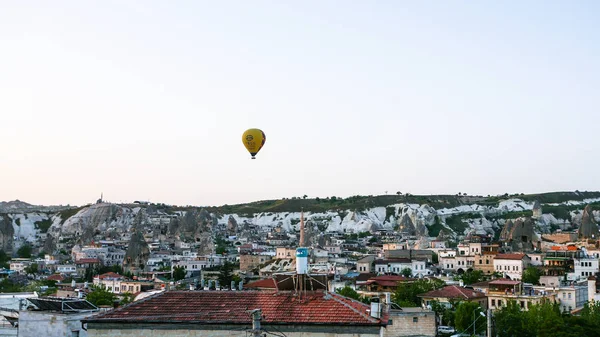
(302, 260)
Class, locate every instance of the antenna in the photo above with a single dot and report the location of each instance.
(301, 244)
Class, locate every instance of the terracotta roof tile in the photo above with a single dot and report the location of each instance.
(55, 277)
(82, 261)
(268, 283)
(454, 292)
(510, 256)
(218, 307)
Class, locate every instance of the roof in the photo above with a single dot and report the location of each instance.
(388, 261)
(110, 275)
(231, 307)
(454, 292)
(268, 283)
(62, 304)
(505, 282)
(367, 259)
(363, 277)
(510, 256)
(55, 277)
(388, 280)
(82, 261)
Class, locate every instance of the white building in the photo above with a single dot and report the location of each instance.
(584, 267)
(18, 267)
(396, 266)
(69, 269)
(512, 265)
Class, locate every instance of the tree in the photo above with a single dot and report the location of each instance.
(32, 269)
(406, 294)
(179, 273)
(531, 275)
(406, 272)
(435, 258)
(349, 292)
(373, 240)
(4, 258)
(226, 274)
(24, 251)
(126, 298)
(466, 314)
(101, 296)
(471, 276)
(304, 196)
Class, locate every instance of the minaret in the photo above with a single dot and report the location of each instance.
(301, 244)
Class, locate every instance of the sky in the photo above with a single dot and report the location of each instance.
(147, 100)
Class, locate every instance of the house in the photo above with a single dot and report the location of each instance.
(285, 253)
(55, 316)
(84, 264)
(385, 283)
(366, 264)
(512, 265)
(111, 281)
(396, 266)
(485, 262)
(453, 293)
(18, 267)
(67, 269)
(411, 322)
(501, 291)
(249, 262)
(224, 313)
(584, 267)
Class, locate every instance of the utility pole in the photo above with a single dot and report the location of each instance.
(489, 323)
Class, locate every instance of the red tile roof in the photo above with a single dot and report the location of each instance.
(230, 307)
(510, 256)
(82, 261)
(453, 292)
(268, 283)
(55, 277)
(388, 261)
(505, 281)
(388, 280)
(110, 275)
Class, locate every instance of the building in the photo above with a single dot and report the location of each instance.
(485, 262)
(285, 253)
(501, 291)
(411, 322)
(511, 265)
(55, 316)
(396, 266)
(366, 264)
(86, 264)
(249, 262)
(585, 267)
(231, 313)
(448, 294)
(110, 281)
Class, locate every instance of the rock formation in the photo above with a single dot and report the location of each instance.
(589, 227)
(7, 233)
(537, 210)
(506, 230)
(232, 225)
(137, 253)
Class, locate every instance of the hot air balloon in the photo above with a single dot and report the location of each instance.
(253, 140)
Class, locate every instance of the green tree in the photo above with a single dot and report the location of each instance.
(407, 293)
(179, 273)
(126, 298)
(24, 251)
(101, 296)
(435, 258)
(32, 269)
(349, 292)
(4, 259)
(471, 276)
(406, 272)
(467, 313)
(226, 274)
(531, 275)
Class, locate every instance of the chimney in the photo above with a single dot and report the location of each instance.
(461, 283)
(232, 285)
(375, 307)
(241, 286)
(301, 244)
(192, 286)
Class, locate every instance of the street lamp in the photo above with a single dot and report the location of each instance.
(476, 318)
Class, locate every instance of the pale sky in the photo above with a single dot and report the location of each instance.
(148, 99)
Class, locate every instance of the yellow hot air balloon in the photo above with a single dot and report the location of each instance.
(253, 140)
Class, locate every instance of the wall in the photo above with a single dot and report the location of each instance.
(195, 330)
(403, 323)
(44, 323)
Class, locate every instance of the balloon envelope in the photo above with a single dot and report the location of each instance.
(253, 140)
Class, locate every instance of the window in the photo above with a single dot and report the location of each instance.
(569, 297)
(522, 304)
(480, 261)
(415, 319)
(493, 303)
(75, 333)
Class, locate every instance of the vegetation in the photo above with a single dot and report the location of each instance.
(24, 251)
(43, 225)
(471, 276)
(179, 273)
(406, 295)
(226, 274)
(546, 320)
(466, 313)
(406, 272)
(32, 269)
(126, 298)
(351, 293)
(67, 213)
(456, 223)
(531, 275)
(4, 259)
(101, 296)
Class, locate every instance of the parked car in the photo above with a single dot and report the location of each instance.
(446, 329)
